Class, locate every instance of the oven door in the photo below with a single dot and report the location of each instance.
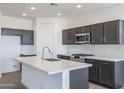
(80, 38)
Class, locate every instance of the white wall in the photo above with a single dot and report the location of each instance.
(10, 49)
(49, 33)
(8, 64)
(19, 23)
(97, 16)
(102, 15)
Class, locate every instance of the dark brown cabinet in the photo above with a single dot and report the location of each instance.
(65, 37)
(93, 71)
(83, 29)
(111, 32)
(71, 36)
(97, 33)
(27, 36)
(78, 30)
(108, 32)
(10, 32)
(86, 29)
(68, 36)
(106, 73)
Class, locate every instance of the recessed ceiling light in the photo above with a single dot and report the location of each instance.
(59, 14)
(79, 6)
(33, 8)
(24, 14)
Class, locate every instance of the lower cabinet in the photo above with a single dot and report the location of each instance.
(106, 73)
(93, 71)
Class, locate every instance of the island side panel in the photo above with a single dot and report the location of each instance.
(79, 79)
(34, 78)
(66, 79)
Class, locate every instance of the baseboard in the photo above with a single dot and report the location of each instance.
(24, 85)
(10, 72)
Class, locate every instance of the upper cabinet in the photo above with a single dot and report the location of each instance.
(71, 36)
(65, 37)
(97, 34)
(111, 32)
(86, 29)
(68, 36)
(83, 29)
(10, 32)
(108, 32)
(27, 36)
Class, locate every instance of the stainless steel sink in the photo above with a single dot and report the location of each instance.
(52, 59)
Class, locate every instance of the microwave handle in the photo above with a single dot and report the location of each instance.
(101, 39)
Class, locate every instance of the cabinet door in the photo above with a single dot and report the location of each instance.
(106, 73)
(83, 29)
(86, 29)
(97, 34)
(78, 30)
(93, 71)
(27, 38)
(71, 36)
(65, 37)
(10, 32)
(111, 32)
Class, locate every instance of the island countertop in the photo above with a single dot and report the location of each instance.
(51, 67)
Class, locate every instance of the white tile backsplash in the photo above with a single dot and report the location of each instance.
(27, 49)
(116, 51)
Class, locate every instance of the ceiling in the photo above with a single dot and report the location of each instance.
(68, 10)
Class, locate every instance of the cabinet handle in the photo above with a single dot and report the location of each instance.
(101, 39)
(104, 33)
(104, 39)
(99, 73)
(96, 68)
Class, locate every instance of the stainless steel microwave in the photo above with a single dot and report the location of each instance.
(82, 38)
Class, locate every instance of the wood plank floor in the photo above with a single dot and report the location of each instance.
(13, 81)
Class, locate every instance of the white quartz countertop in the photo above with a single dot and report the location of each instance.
(111, 59)
(52, 67)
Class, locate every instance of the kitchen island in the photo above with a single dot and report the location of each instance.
(63, 74)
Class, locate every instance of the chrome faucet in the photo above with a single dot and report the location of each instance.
(48, 50)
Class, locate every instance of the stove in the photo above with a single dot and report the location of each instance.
(80, 57)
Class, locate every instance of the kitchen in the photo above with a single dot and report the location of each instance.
(91, 42)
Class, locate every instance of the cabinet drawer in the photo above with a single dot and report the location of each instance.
(105, 63)
(91, 61)
(64, 57)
